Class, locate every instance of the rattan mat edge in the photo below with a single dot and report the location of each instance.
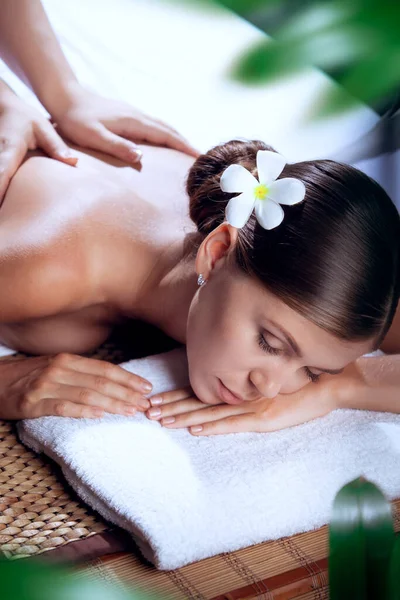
(38, 511)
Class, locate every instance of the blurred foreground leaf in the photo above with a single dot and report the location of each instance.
(394, 574)
(361, 540)
(357, 43)
(32, 580)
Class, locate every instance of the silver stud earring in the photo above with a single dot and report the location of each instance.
(200, 280)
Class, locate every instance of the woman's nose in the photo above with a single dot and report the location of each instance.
(267, 386)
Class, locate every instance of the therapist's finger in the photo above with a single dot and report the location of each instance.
(175, 139)
(12, 152)
(110, 143)
(165, 137)
(156, 132)
(48, 140)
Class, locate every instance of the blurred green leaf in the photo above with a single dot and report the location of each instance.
(347, 565)
(247, 7)
(394, 573)
(357, 43)
(32, 580)
(361, 539)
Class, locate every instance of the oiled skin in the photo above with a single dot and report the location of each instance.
(98, 228)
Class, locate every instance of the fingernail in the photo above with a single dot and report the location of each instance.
(168, 420)
(68, 155)
(136, 154)
(72, 160)
(130, 410)
(147, 387)
(155, 400)
(155, 412)
(98, 413)
(144, 403)
(196, 429)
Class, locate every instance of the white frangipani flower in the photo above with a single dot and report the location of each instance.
(265, 194)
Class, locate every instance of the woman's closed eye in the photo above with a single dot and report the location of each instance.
(266, 347)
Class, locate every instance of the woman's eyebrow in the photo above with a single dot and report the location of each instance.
(295, 347)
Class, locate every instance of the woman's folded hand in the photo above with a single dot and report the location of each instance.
(24, 128)
(180, 408)
(68, 385)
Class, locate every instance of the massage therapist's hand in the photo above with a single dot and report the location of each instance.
(112, 126)
(24, 128)
(70, 386)
(264, 415)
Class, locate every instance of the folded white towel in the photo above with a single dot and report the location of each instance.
(184, 498)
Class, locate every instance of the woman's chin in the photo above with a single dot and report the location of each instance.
(204, 393)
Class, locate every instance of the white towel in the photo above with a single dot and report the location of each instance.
(184, 498)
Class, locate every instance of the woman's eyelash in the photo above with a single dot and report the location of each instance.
(262, 342)
(312, 376)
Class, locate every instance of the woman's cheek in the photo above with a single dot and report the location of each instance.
(295, 385)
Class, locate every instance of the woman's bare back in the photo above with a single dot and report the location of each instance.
(101, 224)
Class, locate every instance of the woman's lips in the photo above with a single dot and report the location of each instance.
(227, 396)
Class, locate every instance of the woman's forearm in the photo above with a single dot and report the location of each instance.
(30, 48)
(380, 388)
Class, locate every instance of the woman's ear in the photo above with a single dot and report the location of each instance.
(217, 245)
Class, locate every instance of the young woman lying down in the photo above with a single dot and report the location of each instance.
(277, 277)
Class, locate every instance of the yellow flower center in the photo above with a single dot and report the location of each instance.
(261, 191)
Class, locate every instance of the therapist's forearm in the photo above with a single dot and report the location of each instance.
(381, 391)
(30, 48)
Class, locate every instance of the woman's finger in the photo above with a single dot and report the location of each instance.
(48, 140)
(121, 395)
(90, 397)
(206, 414)
(65, 408)
(235, 424)
(172, 396)
(100, 138)
(175, 408)
(93, 366)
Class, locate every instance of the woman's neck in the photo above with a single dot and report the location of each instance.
(166, 295)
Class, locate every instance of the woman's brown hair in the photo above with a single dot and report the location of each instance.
(335, 258)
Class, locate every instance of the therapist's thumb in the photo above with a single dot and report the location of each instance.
(50, 142)
(113, 144)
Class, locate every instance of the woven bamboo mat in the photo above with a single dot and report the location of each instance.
(295, 567)
(37, 510)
